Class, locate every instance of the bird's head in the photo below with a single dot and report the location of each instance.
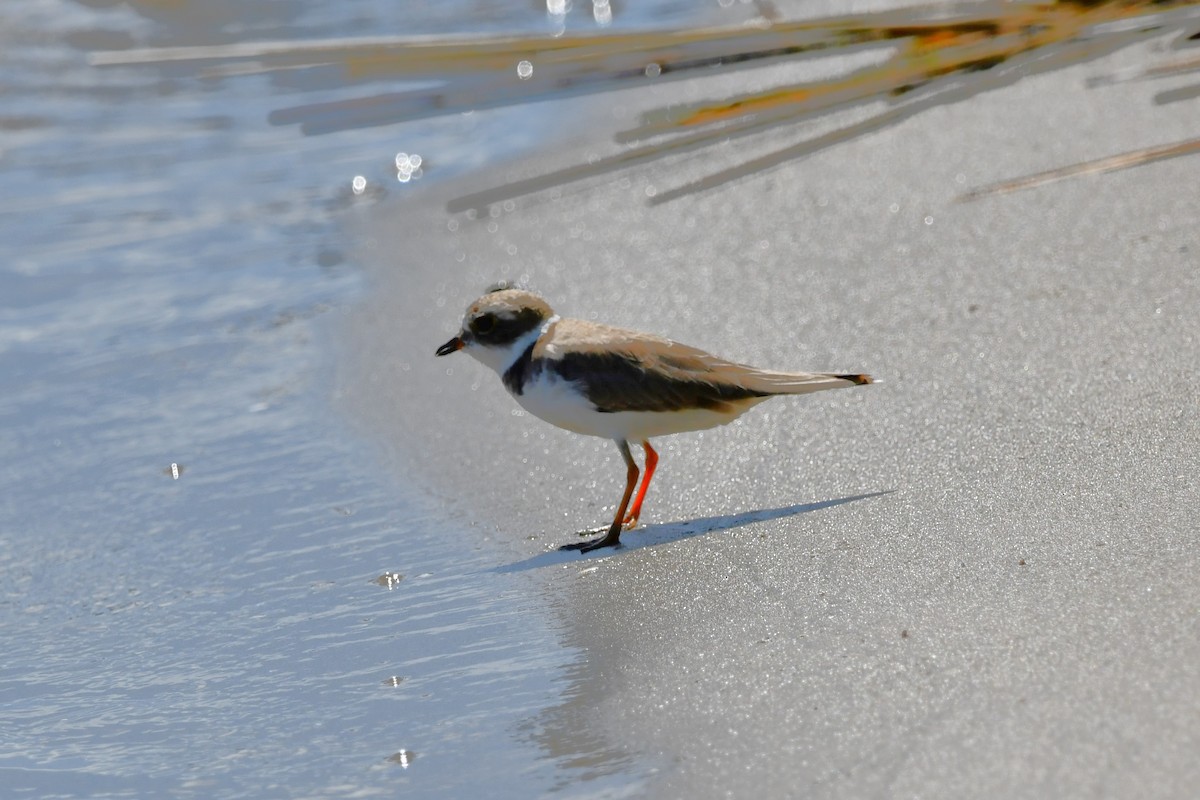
(500, 326)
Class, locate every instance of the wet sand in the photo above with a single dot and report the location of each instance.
(976, 578)
(209, 586)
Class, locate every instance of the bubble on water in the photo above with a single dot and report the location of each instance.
(524, 70)
(653, 70)
(359, 184)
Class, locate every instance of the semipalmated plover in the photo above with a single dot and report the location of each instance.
(623, 385)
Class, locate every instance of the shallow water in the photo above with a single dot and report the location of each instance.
(209, 587)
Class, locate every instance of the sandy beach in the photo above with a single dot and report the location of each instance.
(976, 578)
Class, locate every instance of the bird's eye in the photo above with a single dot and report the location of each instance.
(484, 324)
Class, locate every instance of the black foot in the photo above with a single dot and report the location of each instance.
(611, 538)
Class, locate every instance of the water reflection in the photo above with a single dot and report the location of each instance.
(602, 12)
(408, 167)
(929, 56)
(389, 580)
(167, 259)
(567, 731)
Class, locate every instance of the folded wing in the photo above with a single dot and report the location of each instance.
(634, 372)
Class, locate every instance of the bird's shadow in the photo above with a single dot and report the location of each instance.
(665, 532)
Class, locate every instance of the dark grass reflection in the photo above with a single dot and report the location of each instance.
(930, 55)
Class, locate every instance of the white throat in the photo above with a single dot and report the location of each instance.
(501, 358)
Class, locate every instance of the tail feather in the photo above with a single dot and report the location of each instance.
(802, 382)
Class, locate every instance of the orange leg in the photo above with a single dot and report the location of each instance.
(613, 537)
(630, 521)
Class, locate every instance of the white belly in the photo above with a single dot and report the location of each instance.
(556, 402)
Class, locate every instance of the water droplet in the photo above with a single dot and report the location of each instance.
(602, 12)
(359, 184)
(408, 167)
(524, 70)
